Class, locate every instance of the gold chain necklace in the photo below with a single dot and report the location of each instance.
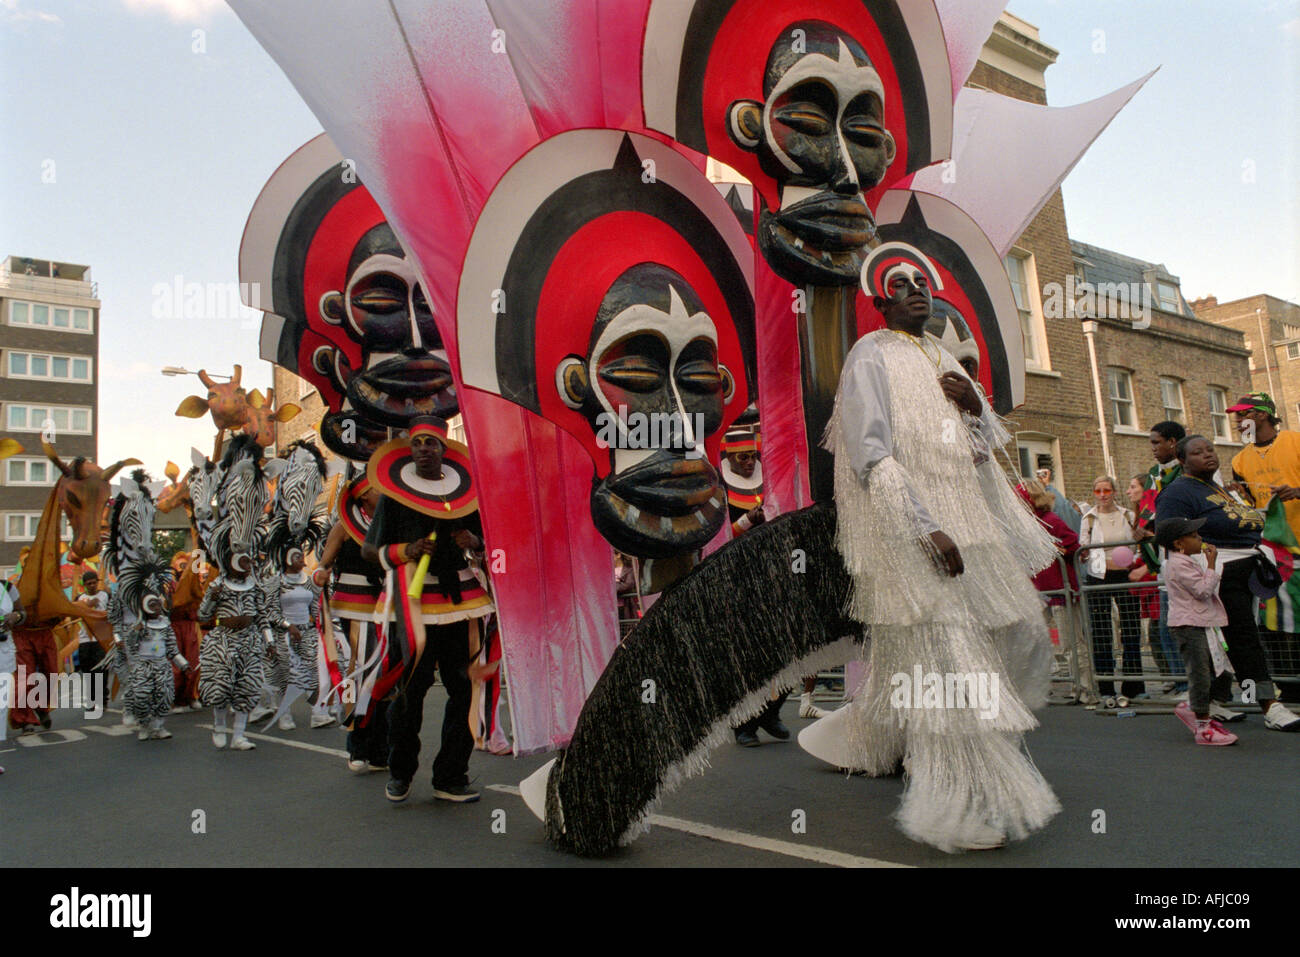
(916, 341)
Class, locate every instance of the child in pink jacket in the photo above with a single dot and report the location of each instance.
(1196, 616)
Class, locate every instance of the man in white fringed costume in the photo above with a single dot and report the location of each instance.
(941, 551)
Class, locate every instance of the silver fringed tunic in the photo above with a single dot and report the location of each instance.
(955, 663)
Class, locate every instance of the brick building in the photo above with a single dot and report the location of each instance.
(1175, 367)
(49, 314)
(1272, 330)
(290, 388)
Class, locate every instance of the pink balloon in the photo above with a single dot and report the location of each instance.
(1122, 556)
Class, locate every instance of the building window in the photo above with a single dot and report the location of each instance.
(1169, 299)
(1024, 286)
(1171, 397)
(305, 388)
(1219, 414)
(1293, 350)
(21, 526)
(51, 317)
(1120, 386)
(1034, 451)
(29, 471)
(39, 365)
(44, 418)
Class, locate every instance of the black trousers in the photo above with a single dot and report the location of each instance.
(773, 710)
(447, 649)
(1245, 652)
(369, 742)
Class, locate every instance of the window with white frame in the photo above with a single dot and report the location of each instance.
(43, 365)
(1219, 414)
(1119, 384)
(22, 417)
(1170, 300)
(29, 471)
(21, 526)
(1171, 397)
(68, 318)
(305, 388)
(1024, 286)
(1293, 350)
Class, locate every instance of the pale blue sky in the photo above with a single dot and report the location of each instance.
(159, 152)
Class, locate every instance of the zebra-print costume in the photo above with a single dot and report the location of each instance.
(296, 521)
(150, 687)
(241, 497)
(129, 555)
(295, 602)
(230, 661)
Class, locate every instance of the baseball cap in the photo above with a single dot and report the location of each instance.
(1172, 529)
(1255, 402)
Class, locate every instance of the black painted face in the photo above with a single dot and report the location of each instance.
(821, 135)
(653, 390)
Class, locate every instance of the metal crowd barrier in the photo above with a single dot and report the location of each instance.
(1119, 623)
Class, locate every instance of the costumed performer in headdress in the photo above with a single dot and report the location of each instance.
(150, 646)
(428, 509)
(941, 559)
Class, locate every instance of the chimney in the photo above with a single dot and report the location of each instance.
(1205, 302)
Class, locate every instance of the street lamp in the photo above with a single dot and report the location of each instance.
(180, 370)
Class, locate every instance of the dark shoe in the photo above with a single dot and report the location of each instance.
(397, 789)
(748, 739)
(459, 793)
(46, 720)
(776, 729)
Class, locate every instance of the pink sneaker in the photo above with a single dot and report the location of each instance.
(1212, 733)
(1185, 714)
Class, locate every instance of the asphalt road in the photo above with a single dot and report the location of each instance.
(89, 794)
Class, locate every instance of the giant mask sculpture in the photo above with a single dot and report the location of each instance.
(346, 310)
(619, 306)
(817, 104)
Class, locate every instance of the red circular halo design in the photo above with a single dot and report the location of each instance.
(384, 472)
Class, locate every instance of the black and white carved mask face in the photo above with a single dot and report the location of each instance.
(821, 135)
(653, 390)
(384, 308)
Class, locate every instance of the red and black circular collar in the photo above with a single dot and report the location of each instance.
(392, 471)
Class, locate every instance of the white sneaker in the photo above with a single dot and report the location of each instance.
(358, 765)
(286, 723)
(218, 739)
(1279, 718)
(242, 744)
(160, 734)
(196, 706)
(322, 720)
(260, 712)
(809, 710)
(142, 734)
(1225, 715)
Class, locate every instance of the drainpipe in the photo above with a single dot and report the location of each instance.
(1089, 332)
